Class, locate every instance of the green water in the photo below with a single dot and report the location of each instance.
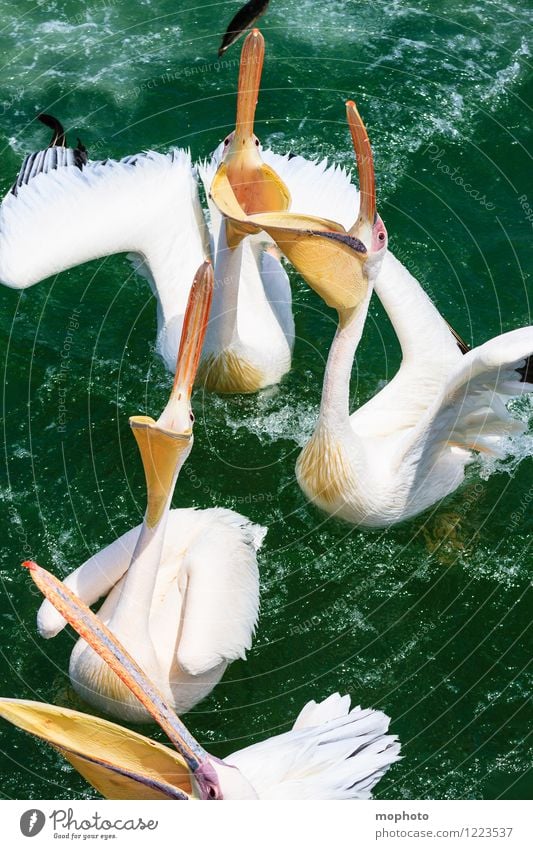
(429, 621)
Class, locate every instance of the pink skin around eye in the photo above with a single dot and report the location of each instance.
(379, 236)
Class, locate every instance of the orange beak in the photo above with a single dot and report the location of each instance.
(167, 442)
(365, 167)
(255, 185)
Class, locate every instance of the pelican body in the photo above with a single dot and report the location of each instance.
(182, 589)
(331, 751)
(407, 447)
(66, 209)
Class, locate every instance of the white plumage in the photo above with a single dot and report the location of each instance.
(181, 589)
(201, 616)
(331, 752)
(146, 205)
(408, 446)
(63, 214)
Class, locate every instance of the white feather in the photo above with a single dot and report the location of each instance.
(145, 205)
(332, 752)
(203, 609)
(316, 188)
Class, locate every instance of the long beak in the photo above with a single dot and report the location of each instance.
(106, 645)
(162, 442)
(250, 70)
(119, 763)
(329, 258)
(256, 186)
(191, 342)
(365, 167)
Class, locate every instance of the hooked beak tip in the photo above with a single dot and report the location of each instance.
(29, 564)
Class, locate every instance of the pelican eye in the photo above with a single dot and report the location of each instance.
(191, 416)
(226, 142)
(381, 236)
(257, 142)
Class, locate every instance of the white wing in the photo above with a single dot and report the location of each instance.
(342, 756)
(61, 213)
(92, 580)
(471, 412)
(221, 592)
(316, 188)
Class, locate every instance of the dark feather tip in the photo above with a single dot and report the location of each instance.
(241, 22)
(58, 138)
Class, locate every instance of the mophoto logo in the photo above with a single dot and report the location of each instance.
(32, 822)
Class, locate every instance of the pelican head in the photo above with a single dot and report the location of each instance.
(256, 186)
(338, 264)
(166, 443)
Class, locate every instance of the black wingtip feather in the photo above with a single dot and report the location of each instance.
(80, 155)
(241, 22)
(463, 346)
(59, 138)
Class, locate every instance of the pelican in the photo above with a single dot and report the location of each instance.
(250, 336)
(181, 590)
(65, 209)
(408, 447)
(331, 752)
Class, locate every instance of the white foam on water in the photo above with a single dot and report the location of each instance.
(480, 65)
(293, 421)
(104, 48)
(516, 447)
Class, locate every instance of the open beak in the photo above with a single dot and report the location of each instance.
(329, 258)
(119, 763)
(118, 755)
(255, 185)
(162, 442)
(367, 181)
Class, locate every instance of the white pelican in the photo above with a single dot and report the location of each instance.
(331, 752)
(250, 336)
(65, 210)
(182, 589)
(407, 447)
